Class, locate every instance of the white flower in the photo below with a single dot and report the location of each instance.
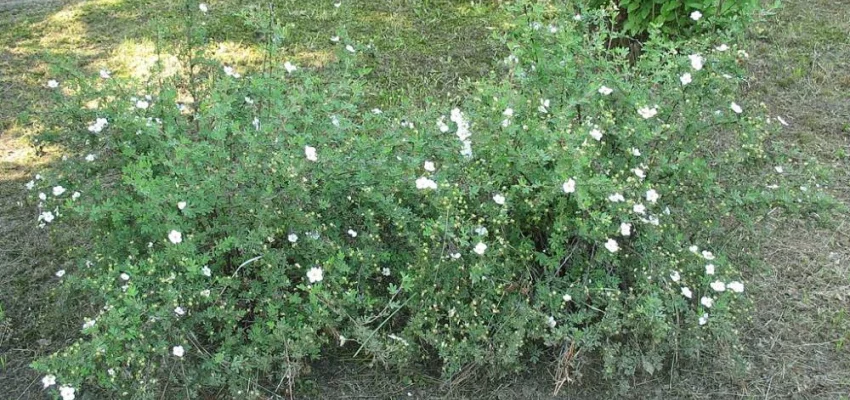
(639, 173)
(466, 151)
(124, 277)
(551, 322)
(98, 125)
(693, 249)
(605, 90)
(206, 271)
(481, 231)
(696, 15)
(544, 106)
(205, 293)
(175, 237)
(111, 372)
(425, 183)
(314, 275)
(703, 319)
(46, 216)
(90, 157)
(203, 7)
(652, 196)
(509, 112)
(105, 74)
(616, 198)
(635, 152)
(480, 248)
(249, 100)
(338, 4)
(179, 311)
(349, 48)
(687, 292)
(553, 29)
(181, 205)
(696, 61)
(256, 123)
(709, 269)
(30, 185)
(352, 233)
(647, 112)
(567, 297)
(569, 186)
(178, 351)
(335, 39)
(335, 121)
(781, 121)
(42, 196)
(228, 70)
(310, 152)
(385, 271)
(499, 199)
(289, 67)
(142, 104)
(577, 17)
(429, 166)
(441, 124)
(707, 255)
(674, 276)
(625, 229)
(718, 286)
(88, 323)
(736, 108)
(313, 235)
(52, 84)
(292, 238)
(779, 169)
(639, 208)
(67, 392)
(686, 78)
(612, 245)
(722, 47)
(596, 134)
(48, 380)
(75, 196)
(736, 287)
(58, 190)
(707, 301)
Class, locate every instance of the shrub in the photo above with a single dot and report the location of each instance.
(565, 203)
(677, 17)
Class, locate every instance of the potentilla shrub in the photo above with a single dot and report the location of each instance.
(565, 206)
(676, 17)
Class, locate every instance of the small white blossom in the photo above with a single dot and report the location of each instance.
(203, 7)
(349, 48)
(596, 134)
(781, 121)
(385, 271)
(175, 237)
(206, 271)
(779, 169)
(648, 112)
(205, 293)
(577, 17)
(75, 195)
(105, 74)
(736, 287)
(635, 152)
(111, 372)
(352, 233)
(674, 276)
(48, 380)
(718, 286)
(639, 208)
(544, 106)
(179, 311)
(142, 104)
(30, 185)
(696, 15)
(88, 323)
(181, 205)
(616, 198)
(425, 183)
(289, 67)
(693, 249)
(696, 61)
(124, 277)
(315, 274)
(481, 231)
(687, 292)
(709, 269)
(569, 186)
(67, 392)
(58, 190)
(90, 157)
(178, 351)
(722, 47)
(639, 173)
(480, 248)
(509, 112)
(736, 108)
(706, 301)
(46, 216)
(335, 39)
(703, 319)
(652, 196)
(707, 255)
(605, 90)
(567, 298)
(686, 78)
(551, 322)
(441, 124)
(499, 199)
(42, 196)
(612, 245)
(53, 84)
(625, 229)
(429, 166)
(310, 152)
(60, 273)
(292, 238)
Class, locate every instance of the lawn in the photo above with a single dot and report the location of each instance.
(796, 343)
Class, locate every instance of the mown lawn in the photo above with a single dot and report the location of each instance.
(797, 343)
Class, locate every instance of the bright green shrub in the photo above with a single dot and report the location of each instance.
(276, 216)
(676, 17)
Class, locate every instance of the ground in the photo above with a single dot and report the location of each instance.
(796, 345)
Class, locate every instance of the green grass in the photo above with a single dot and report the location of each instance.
(797, 343)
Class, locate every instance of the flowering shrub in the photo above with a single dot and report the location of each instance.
(248, 224)
(676, 17)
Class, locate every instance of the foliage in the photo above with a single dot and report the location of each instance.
(247, 222)
(677, 17)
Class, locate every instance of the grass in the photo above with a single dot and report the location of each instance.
(797, 344)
